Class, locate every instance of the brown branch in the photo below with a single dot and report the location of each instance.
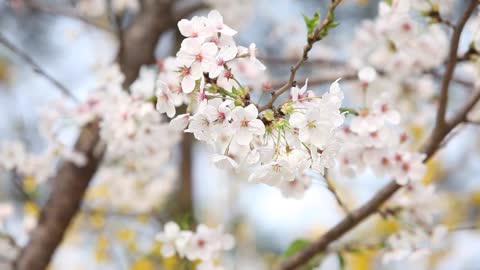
(68, 188)
(25, 57)
(316, 36)
(357, 216)
(140, 39)
(290, 60)
(452, 63)
(333, 189)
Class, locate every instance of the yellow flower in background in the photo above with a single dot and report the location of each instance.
(434, 171)
(101, 249)
(31, 209)
(97, 192)
(142, 264)
(97, 219)
(127, 236)
(360, 261)
(29, 184)
(170, 263)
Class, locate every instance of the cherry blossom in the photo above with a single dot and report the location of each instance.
(245, 124)
(165, 102)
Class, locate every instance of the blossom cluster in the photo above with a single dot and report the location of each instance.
(209, 48)
(41, 166)
(205, 244)
(417, 208)
(413, 244)
(136, 166)
(372, 141)
(279, 144)
(398, 43)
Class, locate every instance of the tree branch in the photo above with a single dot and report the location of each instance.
(69, 186)
(452, 63)
(58, 10)
(440, 132)
(25, 57)
(310, 41)
(346, 76)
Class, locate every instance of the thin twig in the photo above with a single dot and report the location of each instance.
(290, 60)
(370, 207)
(58, 10)
(332, 189)
(310, 41)
(25, 57)
(452, 63)
(346, 76)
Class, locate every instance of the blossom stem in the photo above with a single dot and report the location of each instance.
(316, 36)
(25, 57)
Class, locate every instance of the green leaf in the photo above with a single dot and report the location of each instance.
(295, 247)
(343, 263)
(348, 111)
(311, 23)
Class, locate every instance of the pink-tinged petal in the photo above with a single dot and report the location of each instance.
(243, 136)
(185, 59)
(215, 71)
(171, 228)
(167, 250)
(225, 83)
(304, 135)
(188, 84)
(259, 64)
(209, 49)
(294, 93)
(224, 162)
(304, 88)
(162, 86)
(186, 27)
(170, 110)
(251, 112)
(191, 45)
(180, 122)
(228, 53)
(319, 137)
(298, 120)
(196, 71)
(238, 114)
(394, 117)
(215, 16)
(228, 31)
(402, 180)
(257, 126)
(335, 87)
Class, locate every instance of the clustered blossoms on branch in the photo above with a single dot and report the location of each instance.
(282, 143)
(205, 244)
(371, 141)
(398, 43)
(418, 209)
(136, 167)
